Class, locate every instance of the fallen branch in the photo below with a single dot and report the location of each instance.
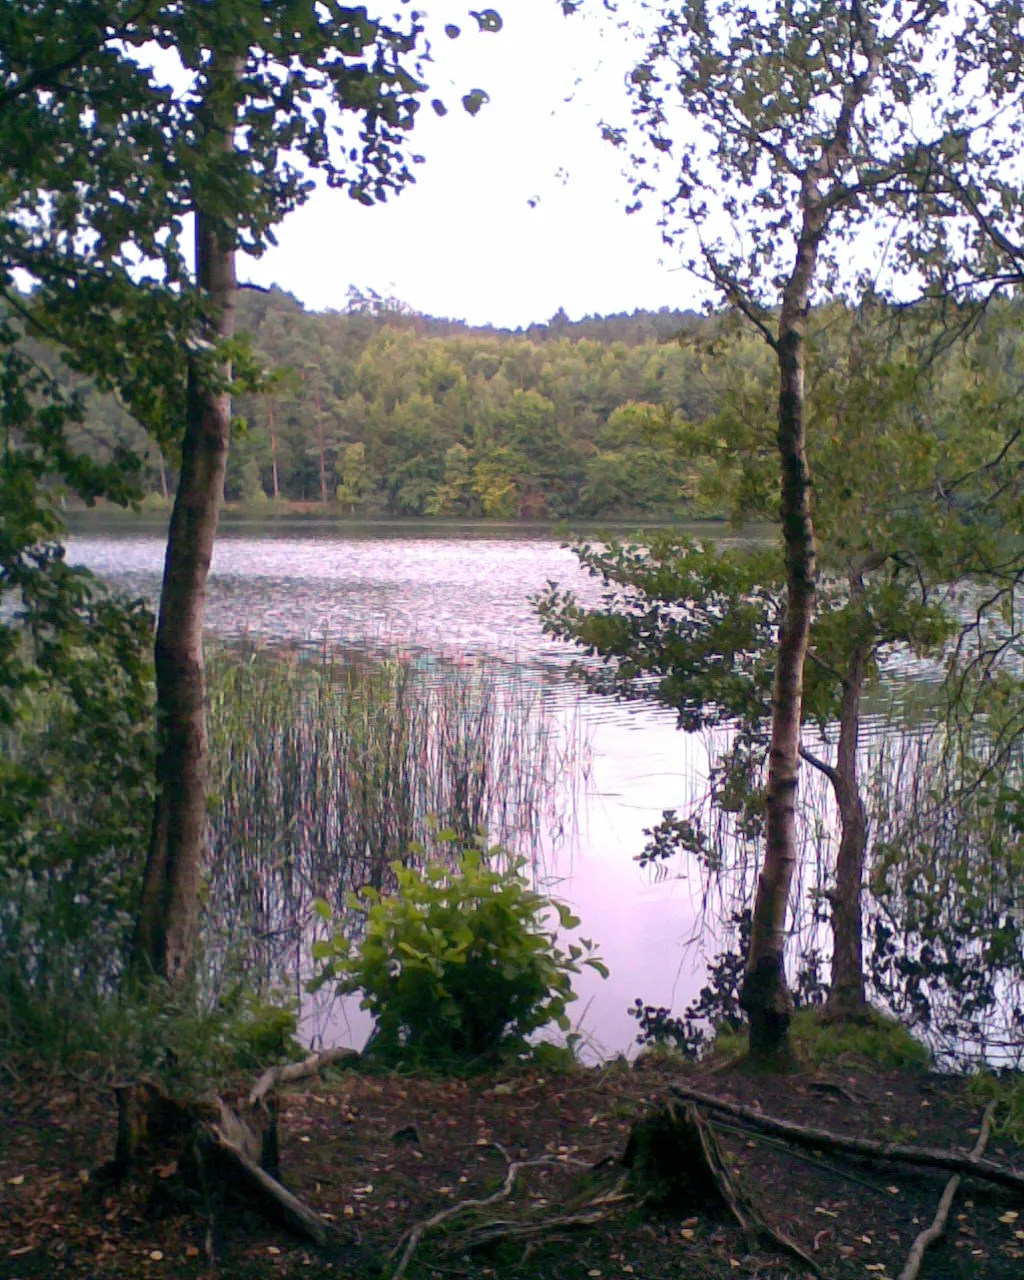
(802, 1135)
(278, 1199)
(930, 1234)
(274, 1077)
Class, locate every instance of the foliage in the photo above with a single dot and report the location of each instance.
(1008, 1089)
(716, 1014)
(76, 761)
(406, 415)
(190, 1043)
(458, 964)
(945, 923)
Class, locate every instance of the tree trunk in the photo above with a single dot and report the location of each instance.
(273, 449)
(322, 447)
(766, 997)
(163, 479)
(169, 911)
(846, 996)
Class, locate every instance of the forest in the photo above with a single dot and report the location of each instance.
(377, 411)
(204, 840)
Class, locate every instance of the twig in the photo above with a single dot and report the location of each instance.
(805, 1136)
(292, 1071)
(415, 1234)
(930, 1234)
(586, 1215)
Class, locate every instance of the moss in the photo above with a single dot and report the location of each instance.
(875, 1039)
(1008, 1088)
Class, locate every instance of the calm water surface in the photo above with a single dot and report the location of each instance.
(466, 593)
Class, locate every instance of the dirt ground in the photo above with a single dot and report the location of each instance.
(377, 1154)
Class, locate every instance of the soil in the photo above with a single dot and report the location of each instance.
(377, 1154)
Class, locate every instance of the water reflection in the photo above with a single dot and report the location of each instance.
(465, 595)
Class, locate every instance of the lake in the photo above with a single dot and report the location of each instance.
(464, 592)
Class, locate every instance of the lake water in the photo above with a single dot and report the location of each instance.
(457, 592)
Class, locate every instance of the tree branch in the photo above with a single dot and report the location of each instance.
(820, 765)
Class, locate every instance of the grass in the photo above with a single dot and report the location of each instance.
(877, 1040)
(1008, 1089)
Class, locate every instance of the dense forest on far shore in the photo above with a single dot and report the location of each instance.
(376, 410)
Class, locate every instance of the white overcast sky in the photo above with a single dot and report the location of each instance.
(464, 241)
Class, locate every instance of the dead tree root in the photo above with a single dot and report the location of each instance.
(931, 1233)
(493, 1231)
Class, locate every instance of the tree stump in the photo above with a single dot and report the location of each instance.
(207, 1143)
(675, 1162)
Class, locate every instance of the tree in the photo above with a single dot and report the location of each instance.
(821, 125)
(106, 165)
(893, 439)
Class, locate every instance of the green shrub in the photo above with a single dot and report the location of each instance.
(190, 1045)
(458, 964)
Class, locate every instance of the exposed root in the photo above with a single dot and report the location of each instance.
(502, 1230)
(938, 1225)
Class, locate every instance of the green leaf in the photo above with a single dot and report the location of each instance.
(474, 100)
(487, 19)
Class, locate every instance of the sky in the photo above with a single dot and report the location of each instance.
(517, 211)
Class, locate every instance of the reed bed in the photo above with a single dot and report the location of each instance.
(327, 768)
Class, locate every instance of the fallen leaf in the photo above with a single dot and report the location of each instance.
(191, 1252)
(690, 1222)
(273, 1249)
(893, 1191)
(686, 1233)
(156, 1255)
(1009, 1217)
(17, 1180)
(20, 1253)
(827, 1213)
(167, 1170)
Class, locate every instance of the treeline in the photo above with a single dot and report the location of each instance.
(385, 412)
(375, 410)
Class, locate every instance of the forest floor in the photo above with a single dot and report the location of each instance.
(376, 1154)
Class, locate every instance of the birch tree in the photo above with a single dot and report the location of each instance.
(814, 147)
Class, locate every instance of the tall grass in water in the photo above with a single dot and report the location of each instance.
(328, 768)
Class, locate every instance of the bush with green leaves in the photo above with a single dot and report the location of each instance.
(458, 964)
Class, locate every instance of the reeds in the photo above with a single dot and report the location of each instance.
(327, 768)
